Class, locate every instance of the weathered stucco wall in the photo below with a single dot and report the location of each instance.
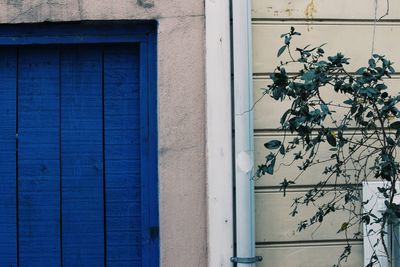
(180, 106)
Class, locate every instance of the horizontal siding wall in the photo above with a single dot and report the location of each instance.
(353, 39)
(274, 224)
(347, 27)
(267, 112)
(321, 9)
(312, 254)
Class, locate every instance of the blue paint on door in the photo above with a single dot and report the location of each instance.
(38, 157)
(8, 154)
(122, 144)
(82, 156)
(78, 150)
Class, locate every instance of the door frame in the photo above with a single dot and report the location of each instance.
(143, 33)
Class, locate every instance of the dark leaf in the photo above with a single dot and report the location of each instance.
(273, 144)
(395, 125)
(343, 227)
(360, 71)
(371, 63)
(284, 116)
(281, 50)
(390, 141)
(270, 167)
(331, 139)
(282, 150)
(381, 86)
(287, 40)
(325, 109)
(348, 102)
(308, 76)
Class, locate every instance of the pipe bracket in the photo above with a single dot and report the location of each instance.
(246, 260)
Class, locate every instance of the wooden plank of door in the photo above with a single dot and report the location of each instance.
(122, 155)
(82, 156)
(8, 165)
(38, 157)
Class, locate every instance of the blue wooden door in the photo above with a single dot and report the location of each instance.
(71, 156)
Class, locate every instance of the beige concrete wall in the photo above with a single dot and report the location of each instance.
(181, 108)
(346, 26)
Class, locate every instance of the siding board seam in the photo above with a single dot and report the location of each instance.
(17, 153)
(60, 151)
(311, 243)
(323, 22)
(104, 158)
(300, 188)
(266, 75)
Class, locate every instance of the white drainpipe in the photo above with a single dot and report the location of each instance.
(244, 147)
(219, 134)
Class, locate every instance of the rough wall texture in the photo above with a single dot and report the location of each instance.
(181, 108)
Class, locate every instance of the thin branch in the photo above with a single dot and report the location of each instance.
(387, 10)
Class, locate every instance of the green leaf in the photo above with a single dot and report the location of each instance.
(348, 102)
(395, 125)
(325, 109)
(273, 144)
(282, 150)
(390, 141)
(270, 167)
(331, 139)
(284, 116)
(353, 109)
(321, 63)
(360, 71)
(281, 50)
(309, 75)
(270, 156)
(288, 39)
(343, 227)
(381, 86)
(371, 63)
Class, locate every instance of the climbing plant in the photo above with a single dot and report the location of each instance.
(360, 126)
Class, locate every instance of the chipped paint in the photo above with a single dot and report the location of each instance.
(145, 3)
(285, 11)
(310, 10)
(289, 11)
